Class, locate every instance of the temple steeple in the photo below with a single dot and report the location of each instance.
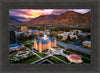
(40, 41)
(45, 35)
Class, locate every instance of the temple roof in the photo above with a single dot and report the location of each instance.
(45, 32)
(44, 41)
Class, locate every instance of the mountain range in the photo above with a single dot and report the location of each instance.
(69, 18)
(14, 20)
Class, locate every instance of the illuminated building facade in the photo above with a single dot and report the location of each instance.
(44, 43)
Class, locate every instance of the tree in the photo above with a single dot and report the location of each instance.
(83, 37)
(73, 39)
(59, 37)
(52, 35)
(21, 37)
(31, 36)
(66, 40)
(69, 39)
(28, 45)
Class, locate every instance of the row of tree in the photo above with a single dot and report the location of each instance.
(22, 37)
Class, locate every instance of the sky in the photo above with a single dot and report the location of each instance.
(27, 14)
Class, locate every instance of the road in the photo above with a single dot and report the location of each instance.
(74, 47)
(40, 59)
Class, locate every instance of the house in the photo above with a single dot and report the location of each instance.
(64, 35)
(75, 32)
(86, 43)
(24, 28)
(73, 36)
(82, 34)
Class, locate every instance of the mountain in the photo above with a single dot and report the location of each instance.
(69, 19)
(73, 19)
(45, 19)
(14, 20)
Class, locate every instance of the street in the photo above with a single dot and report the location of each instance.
(74, 47)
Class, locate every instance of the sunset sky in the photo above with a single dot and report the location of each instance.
(27, 14)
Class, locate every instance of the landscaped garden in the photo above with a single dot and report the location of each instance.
(54, 60)
(62, 58)
(27, 60)
(41, 54)
(79, 53)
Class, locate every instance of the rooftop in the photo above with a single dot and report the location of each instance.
(45, 41)
(74, 56)
(87, 41)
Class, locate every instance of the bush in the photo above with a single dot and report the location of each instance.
(69, 39)
(73, 39)
(21, 37)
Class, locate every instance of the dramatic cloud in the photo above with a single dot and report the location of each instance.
(27, 14)
(60, 11)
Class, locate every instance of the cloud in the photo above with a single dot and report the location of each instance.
(60, 11)
(27, 14)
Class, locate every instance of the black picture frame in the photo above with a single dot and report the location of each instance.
(43, 4)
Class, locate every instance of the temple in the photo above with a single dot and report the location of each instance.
(44, 43)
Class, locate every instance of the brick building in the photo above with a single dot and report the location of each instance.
(44, 43)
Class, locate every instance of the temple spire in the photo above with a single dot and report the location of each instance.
(40, 41)
(34, 39)
(45, 32)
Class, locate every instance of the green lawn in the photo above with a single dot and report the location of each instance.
(23, 42)
(45, 50)
(27, 60)
(79, 53)
(62, 58)
(54, 60)
(60, 46)
(68, 42)
(86, 60)
(28, 46)
(41, 54)
(67, 52)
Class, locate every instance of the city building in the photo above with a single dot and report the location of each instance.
(73, 36)
(86, 43)
(30, 31)
(24, 28)
(44, 43)
(12, 36)
(82, 34)
(21, 33)
(75, 32)
(74, 58)
(64, 35)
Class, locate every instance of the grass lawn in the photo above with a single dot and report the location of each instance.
(45, 50)
(62, 58)
(41, 54)
(54, 60)
(68, 42)
(28, 46)
(67, 52)
(60, 46)
(27, 60)
(23, 42)
(79, 53)
(84, 59)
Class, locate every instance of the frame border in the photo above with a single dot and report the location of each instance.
(40, 5)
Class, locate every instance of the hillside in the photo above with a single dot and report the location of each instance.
(69, 18)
